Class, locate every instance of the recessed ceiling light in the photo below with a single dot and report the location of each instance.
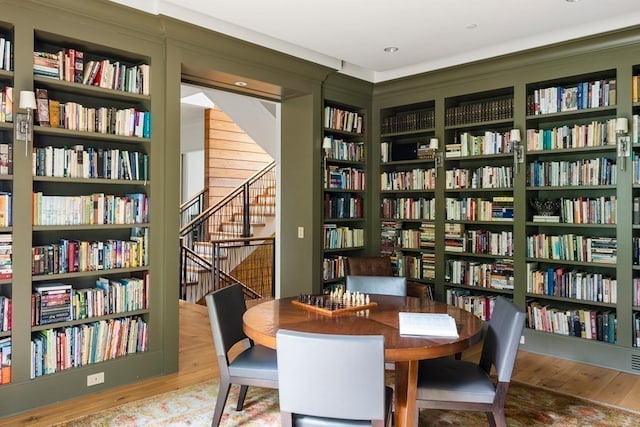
(572, 1)
(471, 26)
(391, 49)
(240, 84)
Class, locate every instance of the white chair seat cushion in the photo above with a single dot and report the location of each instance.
(454, 381)
(255, 362)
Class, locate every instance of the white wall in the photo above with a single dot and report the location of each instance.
(192, 149)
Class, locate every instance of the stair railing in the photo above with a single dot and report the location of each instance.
(222, 221)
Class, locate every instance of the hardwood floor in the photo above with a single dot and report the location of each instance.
(198, 363)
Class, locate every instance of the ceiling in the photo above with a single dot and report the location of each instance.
(351, 35)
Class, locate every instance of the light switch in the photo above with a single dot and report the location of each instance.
(300, 232)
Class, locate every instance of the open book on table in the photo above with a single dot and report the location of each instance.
(428, 324)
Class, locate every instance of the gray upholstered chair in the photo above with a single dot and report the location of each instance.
(467, 386)
(255, 365)
(332, 380)
(381, 266)
(383, 285)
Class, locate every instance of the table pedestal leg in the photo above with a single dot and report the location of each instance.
(406, 376)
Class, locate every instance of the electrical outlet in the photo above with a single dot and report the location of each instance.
(521, 339)
(95, 379)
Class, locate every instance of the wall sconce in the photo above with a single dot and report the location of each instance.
(326, 146)
(518, 150)
(623, 141)
(24, 122)
(436, 155)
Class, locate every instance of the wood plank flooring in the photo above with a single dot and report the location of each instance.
(198, 363)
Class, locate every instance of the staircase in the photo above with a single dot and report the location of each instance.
(219, 244)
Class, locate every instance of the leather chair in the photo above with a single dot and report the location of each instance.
(332, 380)
(381, 266)
(256, 365)
(446, 383)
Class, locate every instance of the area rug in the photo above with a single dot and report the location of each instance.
(193, 406)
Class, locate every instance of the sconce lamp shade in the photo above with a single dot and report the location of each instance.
(433, 143)
(27, 100)
(515, 135)
(622, 125)
(326, 143)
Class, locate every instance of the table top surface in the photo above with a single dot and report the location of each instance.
(262, 321)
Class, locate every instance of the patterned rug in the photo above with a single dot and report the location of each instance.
(193, 406)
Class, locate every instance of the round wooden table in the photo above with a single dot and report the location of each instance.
(262, 321)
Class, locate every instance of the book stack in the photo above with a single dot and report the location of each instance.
(454, 238)
(6, 256)
(5, 360)
(502, 208)
(52, 303)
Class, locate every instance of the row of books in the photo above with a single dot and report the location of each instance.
(498, 208)
(586, 210)
(6, 104)
(69, 65)
(344, 178)
(6, 256)
(6, 54)
(394, 237)
(54, 350)
(70, 256)
(482, 177)
(635, 167)
(59, 302)
(636, 329)
(467, 144)
(408, 208)
(574, 284)
(592, 94)
(594, 134)
(571, 247)
(6, 159)
(588, 324)
(105, 120)
(415, 179)
(97, 208)
(495, 109)
(333, 267)
(422, 267)
(598, 171)
(6, 211)
(635, 250)
(343, 206)
(6, 320)
(5, 360)
(408, 121)
(343, 150)
(340, 237)
(479, 305)
(493, 275)
(343, 120)
(78, 162)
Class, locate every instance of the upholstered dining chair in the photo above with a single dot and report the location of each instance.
(383, 285)
(256, 365)
(332, 380)
(381, 266)
(467, 386)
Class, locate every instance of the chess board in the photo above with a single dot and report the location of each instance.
(325, 305)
